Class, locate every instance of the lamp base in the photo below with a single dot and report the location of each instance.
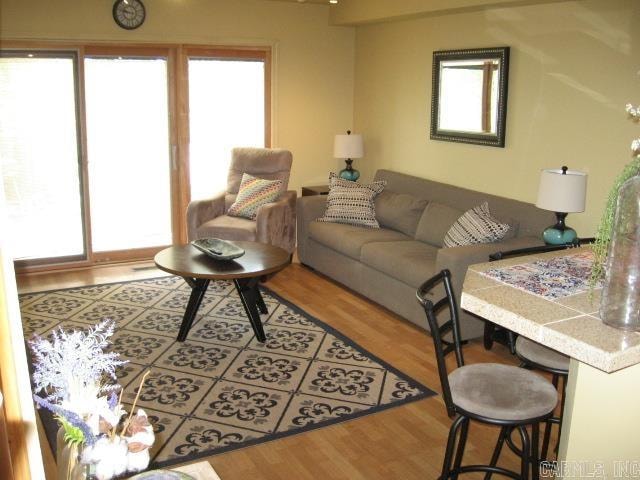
(553, 236)
(559, 234)
(349, 173)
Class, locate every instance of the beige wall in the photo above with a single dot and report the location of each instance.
(313, 74)
(573, 68)
(354, 12)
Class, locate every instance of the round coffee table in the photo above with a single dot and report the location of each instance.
(198, 269)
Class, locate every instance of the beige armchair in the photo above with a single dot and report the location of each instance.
(275, 223)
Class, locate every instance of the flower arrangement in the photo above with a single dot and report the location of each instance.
(76, 379)
(603, 233)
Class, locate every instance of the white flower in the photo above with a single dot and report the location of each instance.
(111, 416)
(81, 398)
(635, 146)
(74, 360)
(137, 461)
(139, 442)
(109, 457)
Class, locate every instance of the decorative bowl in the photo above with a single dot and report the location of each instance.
(218, 249)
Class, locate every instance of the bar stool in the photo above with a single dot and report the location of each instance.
(536, 356)
(533, 355)
(502, 395)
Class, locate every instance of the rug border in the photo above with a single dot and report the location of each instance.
(426, 392)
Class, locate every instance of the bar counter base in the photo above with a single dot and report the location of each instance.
(601, 425)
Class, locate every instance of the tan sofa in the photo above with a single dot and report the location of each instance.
(388, 264)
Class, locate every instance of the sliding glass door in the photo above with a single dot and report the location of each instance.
(128, 149)
(102, 147)
(39, 155)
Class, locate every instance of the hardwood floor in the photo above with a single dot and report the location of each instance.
(406, 442)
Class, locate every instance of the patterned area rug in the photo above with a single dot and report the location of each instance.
(221, 389)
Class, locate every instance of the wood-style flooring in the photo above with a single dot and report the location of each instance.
(405, 443)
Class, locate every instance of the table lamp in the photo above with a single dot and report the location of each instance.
(348, 147)
(562, 191)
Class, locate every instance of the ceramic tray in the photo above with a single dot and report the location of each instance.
(218, 249)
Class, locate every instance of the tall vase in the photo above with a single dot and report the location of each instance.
(68, 460)
(620, 302)
(69, 466)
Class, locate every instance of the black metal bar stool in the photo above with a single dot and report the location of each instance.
(536, 356)
(502, 395)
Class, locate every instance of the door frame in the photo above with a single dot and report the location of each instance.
(19, 412)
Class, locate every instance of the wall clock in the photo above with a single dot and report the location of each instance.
(129, 14)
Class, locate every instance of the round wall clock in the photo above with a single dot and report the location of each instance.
(129, 14)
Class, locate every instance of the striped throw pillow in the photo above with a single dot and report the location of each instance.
(475, 226)
(253, 193)
(351, 203)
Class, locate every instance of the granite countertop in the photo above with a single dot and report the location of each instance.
(546, 307)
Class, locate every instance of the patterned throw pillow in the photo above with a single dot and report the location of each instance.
(351, 203)
(253, 193)
(475, 226)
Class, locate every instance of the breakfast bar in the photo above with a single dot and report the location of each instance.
(545, 297)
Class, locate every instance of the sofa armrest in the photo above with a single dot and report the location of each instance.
(458, 259)
(276, 222)
(201, 211)
(310, 208)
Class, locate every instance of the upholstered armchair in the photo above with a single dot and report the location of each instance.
(275, 222)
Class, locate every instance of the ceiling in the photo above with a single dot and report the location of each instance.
(323, 2)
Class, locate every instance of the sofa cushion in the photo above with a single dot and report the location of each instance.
(436, 222)
(229, 228)
(411, 262)
(349, 239)
(513, 228)
(351, 202)
(399, 211)
(476, 225)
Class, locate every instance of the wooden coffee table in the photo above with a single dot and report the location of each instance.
(198, 269)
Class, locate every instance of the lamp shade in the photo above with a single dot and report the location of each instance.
(562, 190)
(348, 146)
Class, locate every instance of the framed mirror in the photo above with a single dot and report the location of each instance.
(469, 96)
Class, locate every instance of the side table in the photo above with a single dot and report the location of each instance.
(315, 190)
(198, 270)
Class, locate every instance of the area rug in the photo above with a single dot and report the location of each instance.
(221, 389)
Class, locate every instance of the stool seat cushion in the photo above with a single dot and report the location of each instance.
(502, 392)
(545, 357)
